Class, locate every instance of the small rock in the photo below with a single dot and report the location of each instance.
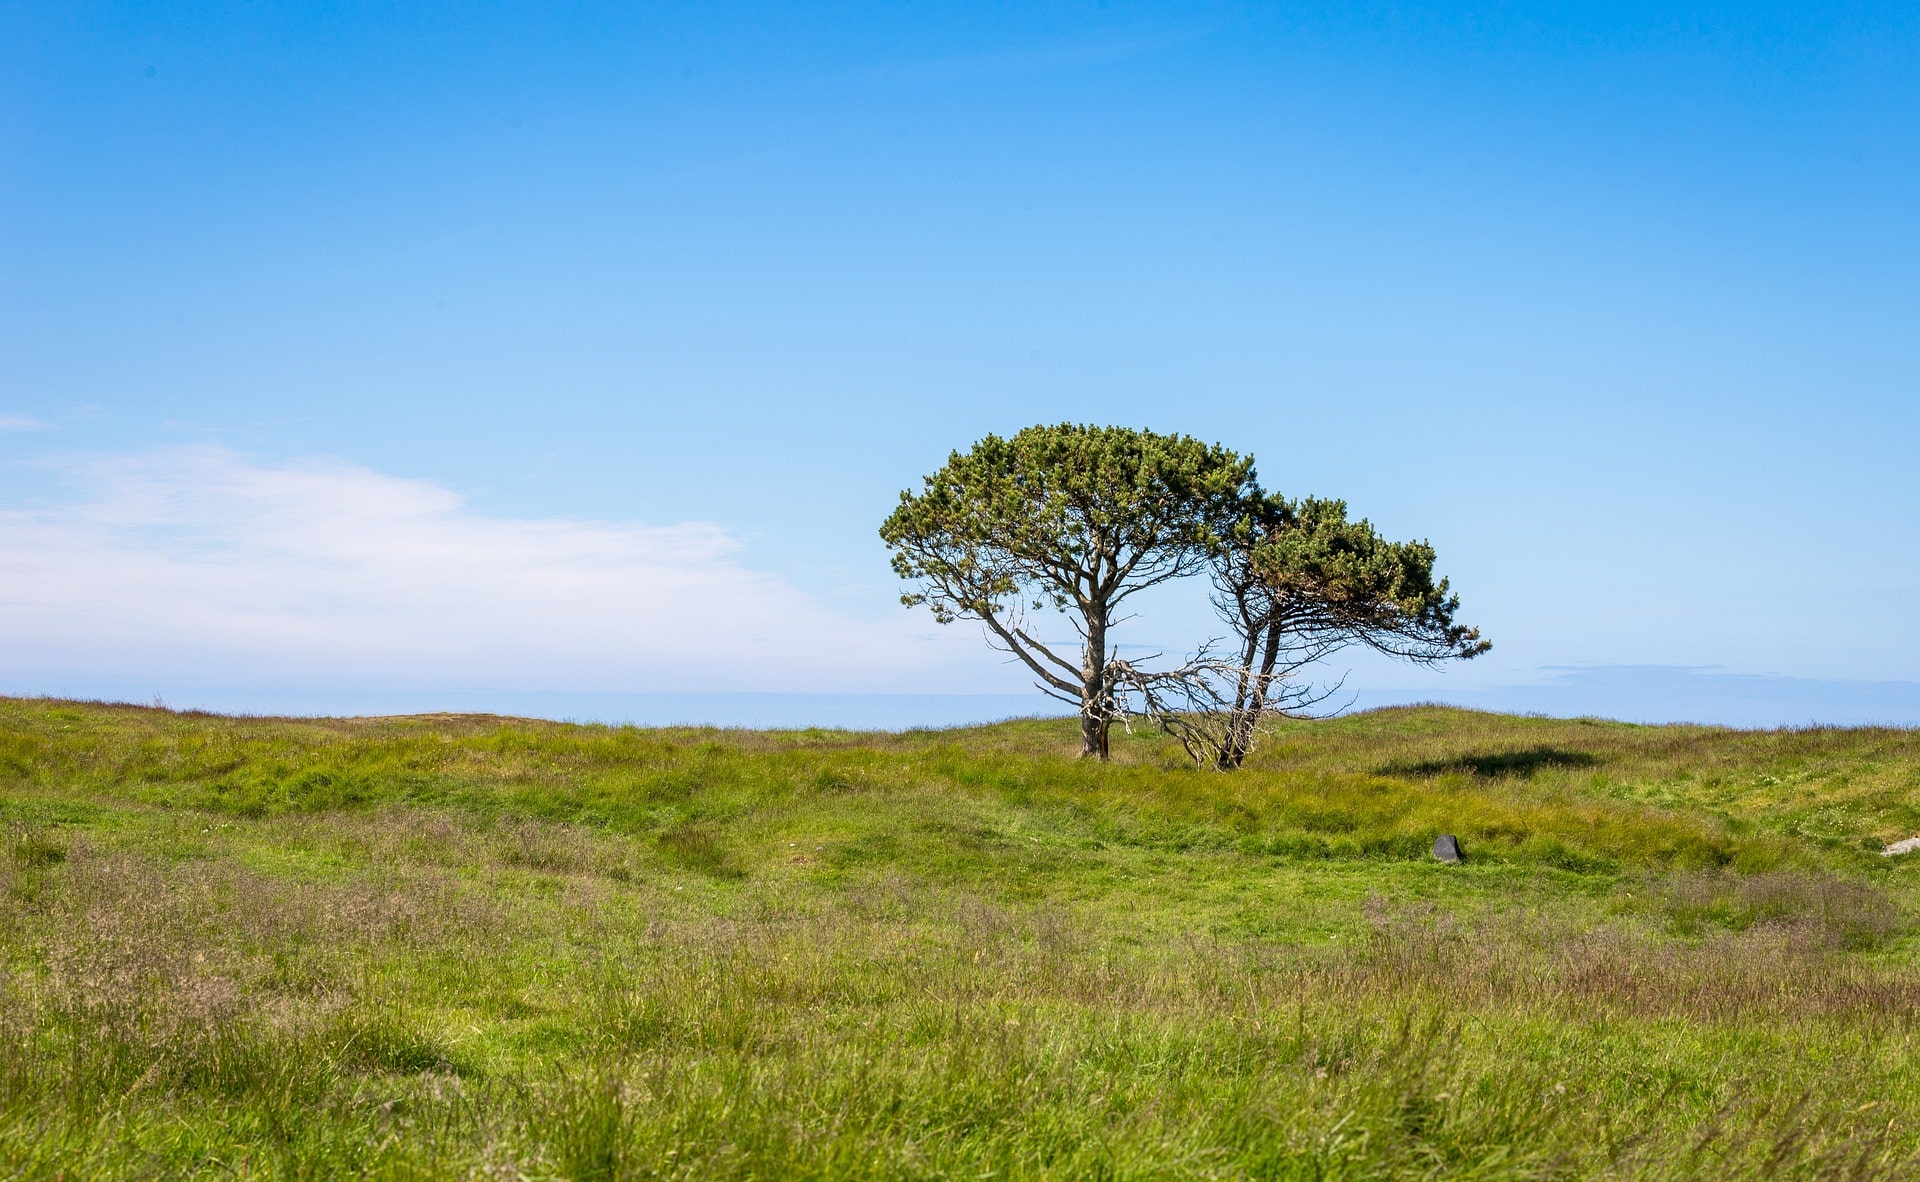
(1446, 847)
(1901, 847)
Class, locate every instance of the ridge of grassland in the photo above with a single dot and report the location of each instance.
(448, 945)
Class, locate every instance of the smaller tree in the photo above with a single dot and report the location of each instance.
(1296, 582)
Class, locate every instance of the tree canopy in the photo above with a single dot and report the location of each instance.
(1070, 517)
(1294, 582)
(1079, 518)
(1308, 571)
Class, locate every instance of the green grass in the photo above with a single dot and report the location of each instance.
(466, 946)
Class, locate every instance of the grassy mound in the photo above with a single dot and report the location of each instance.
(455, 946)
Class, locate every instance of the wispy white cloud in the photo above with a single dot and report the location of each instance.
(19, 423)
(198, 562)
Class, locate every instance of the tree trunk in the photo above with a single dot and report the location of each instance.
(1245, 719)
(1093, 737)
(1094, 706)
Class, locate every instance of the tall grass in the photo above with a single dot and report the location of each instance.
(486, 947)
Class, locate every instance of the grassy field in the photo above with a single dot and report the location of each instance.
(487, 947)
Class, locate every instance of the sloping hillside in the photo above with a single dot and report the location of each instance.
(454, 945)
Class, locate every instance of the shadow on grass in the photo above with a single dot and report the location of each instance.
(1493, 763)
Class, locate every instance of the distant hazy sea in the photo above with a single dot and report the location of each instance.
(1660, 693)
(1633, 693)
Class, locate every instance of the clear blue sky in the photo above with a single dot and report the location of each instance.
(314, 319)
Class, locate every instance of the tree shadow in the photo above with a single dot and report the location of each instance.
(1522, 764)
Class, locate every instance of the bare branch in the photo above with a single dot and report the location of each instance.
(1015, 646)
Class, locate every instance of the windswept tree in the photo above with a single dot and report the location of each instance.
(1074, 518)
(1295, 582)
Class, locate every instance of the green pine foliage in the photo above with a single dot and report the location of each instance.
(1075, 518)
(466, 946)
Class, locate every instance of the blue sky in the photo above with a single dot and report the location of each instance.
(371, 356)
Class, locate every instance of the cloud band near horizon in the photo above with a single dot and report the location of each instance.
(202, 563)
